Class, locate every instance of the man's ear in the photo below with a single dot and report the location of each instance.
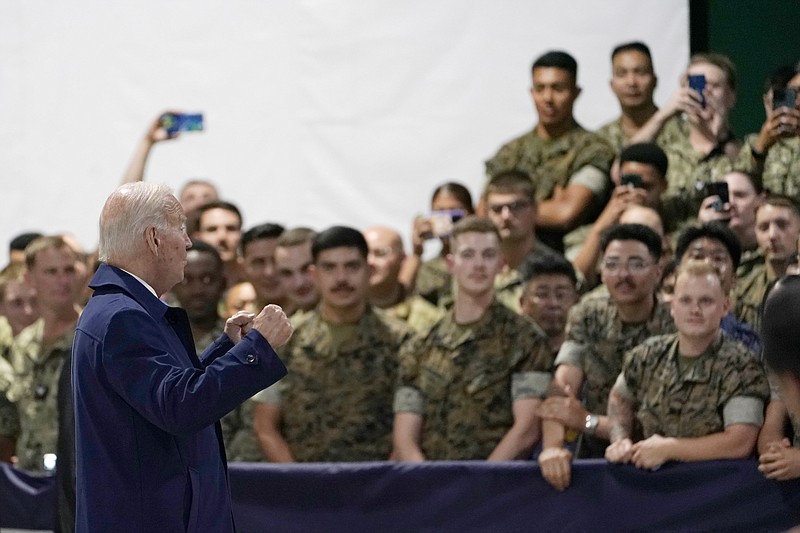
(152, 239)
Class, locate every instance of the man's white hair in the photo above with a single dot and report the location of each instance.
(127, 214)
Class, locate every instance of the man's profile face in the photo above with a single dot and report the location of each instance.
(547, 299)
(53, 277)
(196, 194)
(202, 286)
(743, 199)
(294, 268)
(554, 93)
(19, 305)
(632, 79)
(260, 269)
(342, 277)
(629, 271)
(512, 214)
(385, 256)
(222, 229)
(475, 259)
(654, 183)
(173, 244)
(698, 305)
(777, 229)
(714, 253)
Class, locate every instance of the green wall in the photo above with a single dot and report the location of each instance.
(758, 35)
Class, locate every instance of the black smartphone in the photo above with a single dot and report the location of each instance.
(175, 122)
(785, 97)
(698, 83)
(632, 180)
(720, 189)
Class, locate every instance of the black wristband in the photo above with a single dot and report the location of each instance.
(758, 156)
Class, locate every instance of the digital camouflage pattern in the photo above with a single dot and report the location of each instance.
(415, 311)
(9, 417)
(434, 282)
(336, 405)
(6, 339)
(551, 162)
(597, 341)
(691, 405)
(460, 379)
(612, 133)
(35, 392)
(748, 293)
(781, 168)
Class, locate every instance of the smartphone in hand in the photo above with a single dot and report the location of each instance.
(720, 189)
(698, 83)
(177, 122)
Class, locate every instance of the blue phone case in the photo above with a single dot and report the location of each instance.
(175, 122)
(698, 83)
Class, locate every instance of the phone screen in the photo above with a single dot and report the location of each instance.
(698, 83)
(786, 97)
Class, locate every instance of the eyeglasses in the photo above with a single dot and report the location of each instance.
(634, 266)
(514, 207)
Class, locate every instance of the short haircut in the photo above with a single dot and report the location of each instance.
(268, 230)
(22, 240)
(779, 331)
(633, 232)
(694, 267)
(721, 61)
(296, 237)
(339, 237)
(540, 265)
(197, 181)
(12, 272)
(127, 214)
(780, 77)
(49, 242)
(753, 178)
(633, 46)
(557, 59)
(203, 247)
(457, 190)
(511, 182)
(647, 154)
(218, 204)
(472, 224)
(780, 200)
(714, 230)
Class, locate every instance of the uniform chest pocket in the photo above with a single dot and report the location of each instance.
(486, 379)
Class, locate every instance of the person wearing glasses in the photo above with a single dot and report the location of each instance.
(511, 204)
(600, 329)
(777, 228)
(697, 395)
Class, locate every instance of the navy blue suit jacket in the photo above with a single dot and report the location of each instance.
(149, 453)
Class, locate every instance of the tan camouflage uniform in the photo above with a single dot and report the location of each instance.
(9, 417)
(463, 380)
(6, 339)
(748, 293)
(688, 171)
(724, 386)
(596, 343)
(781, 169)
(35, 392)
(612, 133)
(415, 311)
(336, 405)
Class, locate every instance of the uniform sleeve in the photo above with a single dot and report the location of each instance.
(574, 348)
(592, 178)
(163, 386)
(407, 397)
(747, 390)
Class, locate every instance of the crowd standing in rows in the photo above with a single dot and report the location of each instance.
(600, 298)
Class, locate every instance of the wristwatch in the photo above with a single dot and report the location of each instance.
(590, 425)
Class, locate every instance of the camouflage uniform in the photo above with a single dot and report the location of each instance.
(688, 171)
(463, 380)
(596, 343)
(551, 163)
(612, 133)
(415, 311)
(9, 417)
(237, 426)
(35, 392)
(723, 386)
(748, 294)
(6, 339)
(750, 260)
(434, 281)
(781, 168)
(336, 405)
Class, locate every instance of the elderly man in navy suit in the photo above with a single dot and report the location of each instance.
(149, 455)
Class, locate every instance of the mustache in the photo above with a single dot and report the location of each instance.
(343, 286)
(625, 282)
